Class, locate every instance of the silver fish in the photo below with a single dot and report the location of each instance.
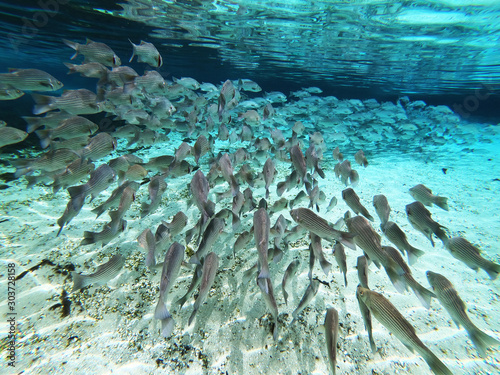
(420, 219)
(339, 253)
(199, 189)
(99, 180)
(209, 270)
(114, 198)
(177, 224)
(453, 304)
(300, 197)
(391, 318)
(157, 186)
(109, 232)
(331, 335)
(75, 102)
(268, 173)
(50, 161)
(90, 70)
(126, 199)
(261, 227)
(367, 318)
(318, 254)
(289, 272)
(73, 173)
(169, 273)
(99, 146)
(9, 136)
(267, 290)
(360, 158)
(102, 275)
(382, 208)
(72, 210)
(94, 52)
(10, 93)
(29, 80)
(146, 53)
(424, 195)
(466, 252)
(299, 162)
(210, 236)
(70, 128)
(362, 267)
(311, 291)
(332, 204)
(352, 200)
(147, 241)
(227, 172)
(396, 235)
(319, 226)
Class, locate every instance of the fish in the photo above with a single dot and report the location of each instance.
(146, 53)
(312, 161)
(268, 172)
(382, 208)
(147, 241)
(126, 199)
(227, 172)
(466, 252)
(109, 232)
(424, 195)
(367, 317)
(317, 252)
(346, 173)
(299, 198)
(177, 224)
(75, 102)
(99, 146)
(331, 335)
(396, 235)
(299, 162)
(99, 180)
(423, 294)
(10, 135)
(102, 275)
(290, 271)
(199, 189)
(50, 161)
(319, 226)
(267, 290)
(94, 52)
(72, 174)
(242, 240)
(187, 82)
(29, 80)
(339, 253)
(10, 93)
(201, 147)
(298, 128)
(157, 186)
(360, 158)
(261, 229)
(70, 128)
(420, 219)
(455, 306)
(362, 267)
(114, 198)
(248, 85)
(311, 291)
(195, 281)
(210, 236)
(369, 241)
(72, 209)
(209, 270)
(332, 204)
(385, 312)
(89, 70)
(50, 120)
(352, 200)
(169, 273)
(337, 155)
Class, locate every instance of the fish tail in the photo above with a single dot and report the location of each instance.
(285, 295)
(73, 45)
(280, 188)
(61, 224)
(345, 279)
(438, 367)
(325, 266)
(236, 222)
(98, 211)
(56, 186)
(161, 311)
(88, 238)
(145, 208)
(441, 234)
(42, 103)
(191, 318)
(71, 67)
(481, 340)
(133, 50)
(423, 294)
(347, 239)
(442, 202)
(167, 326)
(210, 208)
(79, 281)
(413, 254)
(114, 215)
(150, 259)
(320, 171)
(32, 180)
(181, 301)
(77, 191)
(194, 259)
(493, 270)
(264, 274)
(267, 193)
(44, 136)
(396, 280)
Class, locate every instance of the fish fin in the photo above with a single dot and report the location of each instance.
(345, 279)
(79, 281)
(42, 103)
(414, 254)
(44, 136)
(320, 172)
(133, 50)
(325, 266)
(264, 274)
(347, 239)
(441, 234)
(73, 45)
(88, 238)
(194, 259)
(442, 202)
(285, 295)
(423, 294)
(396, 280)
(482, 341)
(161, 311)
(210, 208)
(77, 191)
(191, 318)
(167, 326)
(114, 215)
(98, 211)
(493, 270)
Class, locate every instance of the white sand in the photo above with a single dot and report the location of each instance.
(111, 328)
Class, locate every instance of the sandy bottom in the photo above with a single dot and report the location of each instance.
(111, 328)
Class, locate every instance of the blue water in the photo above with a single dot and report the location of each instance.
(413, 84)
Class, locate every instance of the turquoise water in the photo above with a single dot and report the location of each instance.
(414, 85)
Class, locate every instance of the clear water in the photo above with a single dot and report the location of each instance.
(413, 84)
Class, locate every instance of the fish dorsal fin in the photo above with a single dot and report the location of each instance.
(88, 41)
(142, 43)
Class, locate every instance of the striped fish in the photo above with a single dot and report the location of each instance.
(103, 273)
